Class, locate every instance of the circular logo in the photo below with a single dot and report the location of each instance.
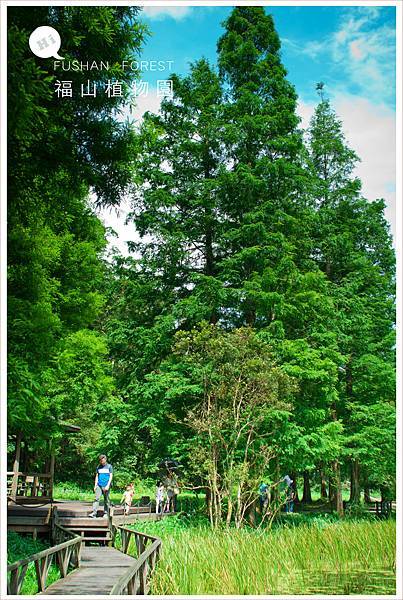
(45, 42)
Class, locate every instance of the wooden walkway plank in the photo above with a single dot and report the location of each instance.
(99, 570)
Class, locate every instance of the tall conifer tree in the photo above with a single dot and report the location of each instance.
(354, 250)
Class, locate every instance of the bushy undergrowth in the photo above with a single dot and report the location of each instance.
(22, 546)
(315, 554)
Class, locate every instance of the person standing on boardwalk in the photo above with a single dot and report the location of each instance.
(171, 486)
(127, 498)
(103, 480)
(159, 497)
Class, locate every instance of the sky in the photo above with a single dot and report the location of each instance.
(351, 49)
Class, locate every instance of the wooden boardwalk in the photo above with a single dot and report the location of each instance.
(100, 569)
(86, 545)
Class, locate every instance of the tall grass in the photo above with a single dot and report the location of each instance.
(22, 546)
(320, 557)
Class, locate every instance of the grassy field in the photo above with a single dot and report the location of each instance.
(301, 555)
(22, 546)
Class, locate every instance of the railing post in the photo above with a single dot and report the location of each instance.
(61, 561)
(35, 486)
(42, 567)
(125, 540)
(51, 469)
(131, 586)
(13, 585)
(111, 526)
(142, 579)
(78, 553)
(16, 466)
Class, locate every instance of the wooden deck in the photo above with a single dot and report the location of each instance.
(100, 568)
(36, 519)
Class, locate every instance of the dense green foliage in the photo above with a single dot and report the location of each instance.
(60, 150)
(242, 223)
(251, 332)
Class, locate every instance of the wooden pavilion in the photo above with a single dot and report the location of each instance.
(33, 487)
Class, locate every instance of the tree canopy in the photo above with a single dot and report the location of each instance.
(251, 332)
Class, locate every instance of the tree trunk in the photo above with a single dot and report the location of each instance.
(238, 510)
(307, 496)
(229, 511)
(209, 266)
(251, 513)
(250, 317)
(52, 472)
(384, 493)
(367, 494)
(323, 492)
(355, 490)
(338, 498)
(208, 249)
(275, 489)
(209, 506)
(16, 466)
(331, 489)
(294, 476)
(23, 457)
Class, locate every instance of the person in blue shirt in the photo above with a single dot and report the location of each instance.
(290, 494)
(103, 480)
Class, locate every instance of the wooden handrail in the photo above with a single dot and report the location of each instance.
(21, 474)
(134, 581)
(65, 552)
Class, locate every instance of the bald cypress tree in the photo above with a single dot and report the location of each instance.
(354, 250)
(223, 194)
(266, 238)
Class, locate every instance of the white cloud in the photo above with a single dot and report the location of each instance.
(158, 13)
(370, 130)
(356, 51)
(362, 49)
(151, 103)
(116, 217)
(134, 112)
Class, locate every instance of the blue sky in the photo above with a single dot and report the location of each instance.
(351, 49)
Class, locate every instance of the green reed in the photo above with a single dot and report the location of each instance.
(335, 557)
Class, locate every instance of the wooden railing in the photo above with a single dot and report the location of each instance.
(383, 508)
(136, 579)
(29, 485)
(66, 554)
